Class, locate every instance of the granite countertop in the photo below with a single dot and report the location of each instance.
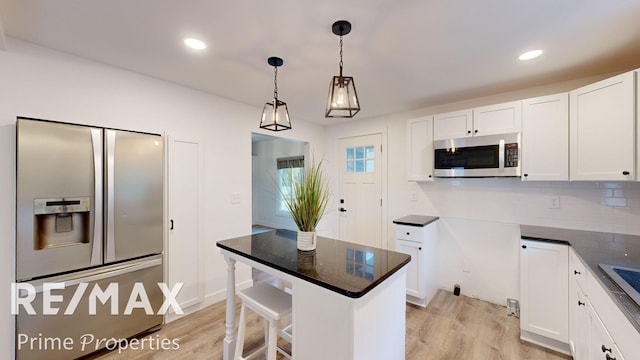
(598, 248)
(415, 220)
(347, 268)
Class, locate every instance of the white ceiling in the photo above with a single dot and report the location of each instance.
(403, 54)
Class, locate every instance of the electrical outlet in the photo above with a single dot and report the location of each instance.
(235, 198)
(414, 196)
(554, 202)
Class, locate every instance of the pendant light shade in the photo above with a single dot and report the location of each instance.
(275, 115)
(342, 101)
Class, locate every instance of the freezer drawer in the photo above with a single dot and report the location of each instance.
(37, 334)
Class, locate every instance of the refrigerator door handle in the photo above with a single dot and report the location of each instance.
(96, 246)
(102, 274)
(111, 150)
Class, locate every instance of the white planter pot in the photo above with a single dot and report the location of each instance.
(306, 240)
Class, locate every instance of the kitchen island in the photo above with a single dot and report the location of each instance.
(348, 299)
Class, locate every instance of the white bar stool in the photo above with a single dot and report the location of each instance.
(273, 305)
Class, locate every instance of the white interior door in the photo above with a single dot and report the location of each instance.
(360, 208)
(183, 249)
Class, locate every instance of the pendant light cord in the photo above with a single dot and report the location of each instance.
(275, 83)
(341, 55)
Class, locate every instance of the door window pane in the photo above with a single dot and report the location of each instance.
(360, 159)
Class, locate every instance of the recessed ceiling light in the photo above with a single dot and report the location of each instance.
(530, 54)
(195, 43)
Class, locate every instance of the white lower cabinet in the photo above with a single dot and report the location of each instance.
(578, 313)
(579, 323)
(544, 296)
(420, 243)
(598, 329)
(601, 345)
(414, 268)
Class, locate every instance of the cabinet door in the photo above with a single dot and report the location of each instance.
(578, 322)
(543, 293)
(602, 130)
(545, 138)
(600, 341)
(498, 119)
(420, 149)
(414, 287)
(452, 125)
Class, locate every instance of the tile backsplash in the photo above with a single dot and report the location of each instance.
(595, 206)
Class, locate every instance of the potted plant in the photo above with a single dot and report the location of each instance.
(307, 203)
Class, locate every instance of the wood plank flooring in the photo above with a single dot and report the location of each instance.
(451, 327)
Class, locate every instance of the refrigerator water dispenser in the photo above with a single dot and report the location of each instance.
(61, 222)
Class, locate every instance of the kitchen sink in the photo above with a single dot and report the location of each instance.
(627, 278)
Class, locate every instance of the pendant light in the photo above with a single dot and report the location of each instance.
(343, 99)
(275, 116)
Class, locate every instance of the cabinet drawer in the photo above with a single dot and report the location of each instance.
(410, 233)
(619, 327)
(577, 270)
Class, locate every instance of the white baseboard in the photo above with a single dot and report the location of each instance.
(208, 300)
(545, 342)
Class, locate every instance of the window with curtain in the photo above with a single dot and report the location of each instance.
(290, 170)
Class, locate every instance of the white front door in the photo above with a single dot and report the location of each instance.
(360, 207)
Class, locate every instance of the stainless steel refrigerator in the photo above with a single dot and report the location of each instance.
(89, 211)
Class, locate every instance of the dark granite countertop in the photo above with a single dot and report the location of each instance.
(416, 220)
(598, 248)
(347, 268)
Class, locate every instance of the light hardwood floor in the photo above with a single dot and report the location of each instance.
(451, 327)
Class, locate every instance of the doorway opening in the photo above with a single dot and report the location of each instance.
(273, 159)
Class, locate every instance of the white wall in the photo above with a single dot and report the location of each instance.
(36, 82)
(478, 231)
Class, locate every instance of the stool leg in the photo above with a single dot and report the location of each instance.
(240, 339)
(273, 341)
(266, 334)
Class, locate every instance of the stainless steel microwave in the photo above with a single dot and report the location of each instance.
(478, 156)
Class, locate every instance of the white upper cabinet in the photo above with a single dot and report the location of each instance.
(487, 120)
(453, 125)
(602, 130)
(545, 138)
(420, 149)
(498, 119)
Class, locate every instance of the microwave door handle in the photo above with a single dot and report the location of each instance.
(501, 155)
(96, 246)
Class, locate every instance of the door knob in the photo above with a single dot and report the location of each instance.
(576, 272)
(342, 209)
(580, 303)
